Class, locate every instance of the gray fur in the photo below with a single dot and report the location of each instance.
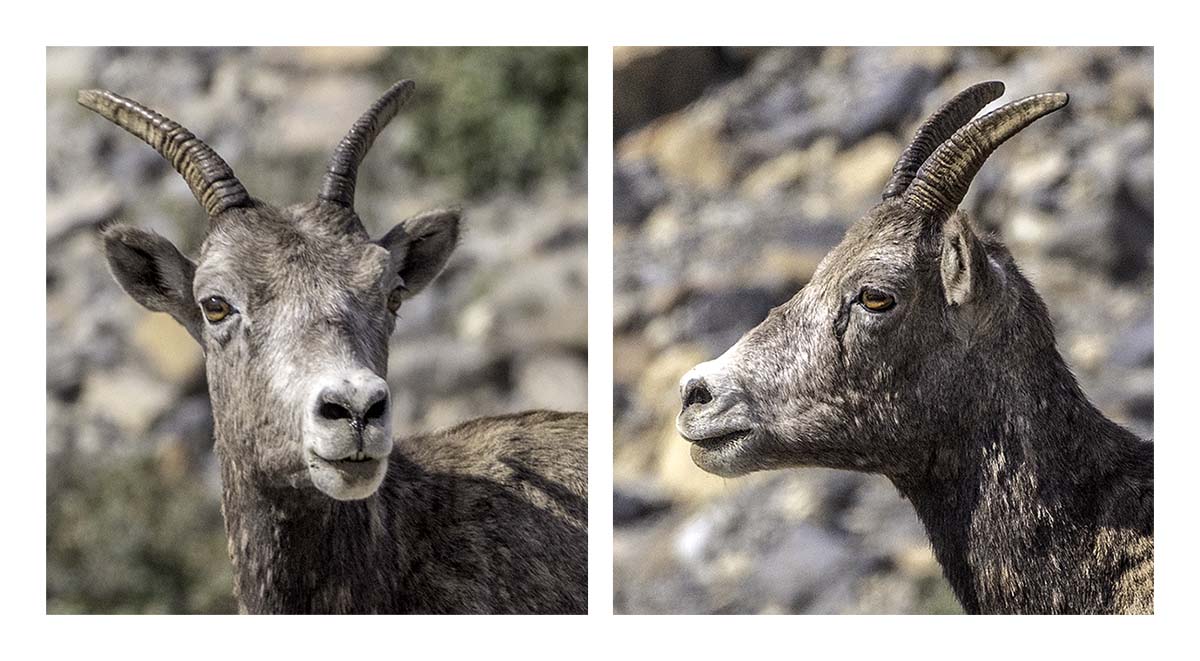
(1033, 500)
(325, 512)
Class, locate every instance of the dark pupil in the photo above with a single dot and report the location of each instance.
(214, 305)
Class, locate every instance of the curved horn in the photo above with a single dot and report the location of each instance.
(340, 176)
(948, 119)
(943, 178)
(208, 176)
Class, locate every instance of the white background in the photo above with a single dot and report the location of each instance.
(28, 29)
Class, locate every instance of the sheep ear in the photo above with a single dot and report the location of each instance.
(964, 265)
(151, 270)
(421, 245)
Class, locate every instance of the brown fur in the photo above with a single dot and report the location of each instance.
(324, 512)
(1033, 500)
(486, 517)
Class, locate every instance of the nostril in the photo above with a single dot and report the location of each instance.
(334, 411)
(378, 409)
(696, 392)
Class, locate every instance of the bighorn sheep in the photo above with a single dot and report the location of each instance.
(293, 308)
(919, 351)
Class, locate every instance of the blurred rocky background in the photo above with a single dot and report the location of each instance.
(735, 171)
(133, 518)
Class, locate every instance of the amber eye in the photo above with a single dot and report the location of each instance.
(395, 298)
(215, 309)
(875, 300)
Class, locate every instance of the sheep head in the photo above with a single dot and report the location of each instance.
(293, 306)
(880, 350)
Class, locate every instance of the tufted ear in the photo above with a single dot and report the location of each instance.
(966, 273)
(151, 270)
(421, 245)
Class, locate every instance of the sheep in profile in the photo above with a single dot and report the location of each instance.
(919, 351)
(325, 512)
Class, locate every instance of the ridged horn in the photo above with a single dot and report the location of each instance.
(340, 176)
(209, 177)
(943, 179)
(948, 119)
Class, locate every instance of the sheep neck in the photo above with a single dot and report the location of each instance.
(1036, 503)
(298, 551)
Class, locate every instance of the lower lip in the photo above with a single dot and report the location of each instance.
(716, 442)
(360, 468)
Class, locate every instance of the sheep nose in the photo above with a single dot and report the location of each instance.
(695, 391)
(357, 401)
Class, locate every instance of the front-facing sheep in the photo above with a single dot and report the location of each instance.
(325, 512)
(920, 352)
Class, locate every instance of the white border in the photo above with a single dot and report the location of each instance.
(600, 336)
(599, 24)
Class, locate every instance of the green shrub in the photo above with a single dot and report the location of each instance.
(125, 536)
(493, 118)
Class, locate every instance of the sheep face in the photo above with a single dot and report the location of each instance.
(842, 374)
(293, 309)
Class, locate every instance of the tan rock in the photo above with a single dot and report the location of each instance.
(477, 322)
(781, 263)
(1029, 228)
(933, 58)
(1132, 89)
(325, 57)
(443, 413)
(69, 70)
(307, 123)
(173, 462)
(733, 567)
(1037, 170)
(631, 355)
(862, 170)
(1088, 351)
(554, 381)
(817, 204)
(623, 55)
(167, 347)
(674, 466)
(130, 398)
(662, 226)
(80, 206)
(809, 168)
(795, 504)
(917, 561)
(686, 146)
(777, 174)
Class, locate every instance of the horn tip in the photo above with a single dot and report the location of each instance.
(402, 89)
(89, 98)
(1051, 101)
(406, 86)
(98, 100)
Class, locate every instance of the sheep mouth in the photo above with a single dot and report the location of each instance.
(352, 477)
(358, 465)
(724, 454)
(721, 440)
